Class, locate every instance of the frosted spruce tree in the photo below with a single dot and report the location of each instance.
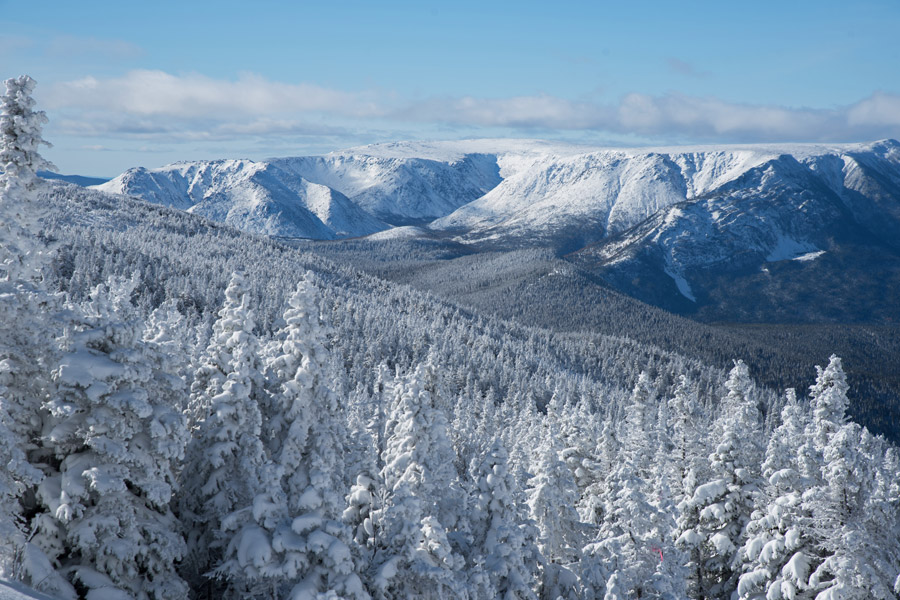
(853, 516)
(551, 499)
(16, 476)
(712, 520)
(226, 462)
(689, 456)
(291, 538)
(414, 556)
(29, 324)
(633, 550)
(505, 560)
(22, 257)
(120, 444)
(367, 492)
(777, 554)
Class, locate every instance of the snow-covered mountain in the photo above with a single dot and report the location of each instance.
(788, 225)
(571, 201)
(343, 194)
(671, 226)
(259, 197)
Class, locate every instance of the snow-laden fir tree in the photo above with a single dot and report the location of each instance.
(688, 459)
(853, 513)
(234, 328)
(362, 460)
(590, 507)
(28, 327)
(414, 556)
(167, 333)
(829, 402)
(226, 462)
(712, 520)
(633, 555)
(580, 431)
(120, 444)
(776, 556)
(21, 256)
(552, 496)
(367, 491)
(16, 476)
(291, 539)
(26, 336)
(504, 559)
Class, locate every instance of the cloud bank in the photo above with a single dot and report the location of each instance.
(152, 104)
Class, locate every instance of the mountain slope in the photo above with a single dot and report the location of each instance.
(259, 197)
(786, 241)
(569, 202)
(710, 232)
(400, 191)
(372, 187)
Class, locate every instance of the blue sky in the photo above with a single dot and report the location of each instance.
(128, 84)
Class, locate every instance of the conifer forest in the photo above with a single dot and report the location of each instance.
(190, 409)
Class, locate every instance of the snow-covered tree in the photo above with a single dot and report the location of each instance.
(590, 507)
(291, 537)
(504, 560)
(551, 498)
(226, 461)
(777, 554)
(633, 548)
(22, 257)
(712, 520)
(414, 557)
(120, 444)
(688, 457)
(829, 402)
(28, 327)
(16, 476)
(233, 330)
(852, 515)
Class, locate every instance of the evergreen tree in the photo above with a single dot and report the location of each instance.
(503, 551)
(226, 461)
(28, 327)
(688, 458)
(21, 256)
(634, 539)
(16, 476)
(120, 444)
(712, 520)
(551, 498)
(777, 554)
(829, 402)
(414, 557)
(291, 537)
(852, 513)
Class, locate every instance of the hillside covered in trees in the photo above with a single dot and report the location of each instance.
(188, 411)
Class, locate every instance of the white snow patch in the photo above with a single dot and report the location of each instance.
(407, 232)
(789, 249)
(809, 256)
(683, 286)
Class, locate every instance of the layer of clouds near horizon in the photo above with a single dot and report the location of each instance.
(156, 104)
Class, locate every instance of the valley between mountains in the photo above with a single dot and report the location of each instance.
(784, 252)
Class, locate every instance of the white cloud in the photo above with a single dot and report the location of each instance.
(159, 105)
(143, 128)
(539, 112)
(880, 109)
(148, 93)
(674, 115)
